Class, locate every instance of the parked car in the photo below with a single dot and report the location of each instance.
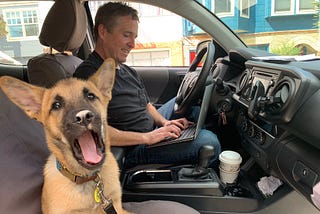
(262, 105)
(5, 59)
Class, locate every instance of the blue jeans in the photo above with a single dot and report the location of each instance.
(180, 153)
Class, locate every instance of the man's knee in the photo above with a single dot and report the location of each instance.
(207, 137)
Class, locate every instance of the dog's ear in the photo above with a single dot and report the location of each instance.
(24, 95)
(104, 77)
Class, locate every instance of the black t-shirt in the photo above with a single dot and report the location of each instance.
(127, 108)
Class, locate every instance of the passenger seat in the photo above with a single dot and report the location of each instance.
(63, 32)
(23, 148)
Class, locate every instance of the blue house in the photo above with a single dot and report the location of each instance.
(267, 20)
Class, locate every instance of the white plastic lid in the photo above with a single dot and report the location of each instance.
(230, 157)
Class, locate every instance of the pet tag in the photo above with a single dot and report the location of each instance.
(96, 195)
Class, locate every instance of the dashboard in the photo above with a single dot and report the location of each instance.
(275, 108)
(268, 97)
(274, 92)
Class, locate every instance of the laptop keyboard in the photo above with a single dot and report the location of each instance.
(185, 134)
(188, 132)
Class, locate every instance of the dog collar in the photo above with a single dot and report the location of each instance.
(78, 179)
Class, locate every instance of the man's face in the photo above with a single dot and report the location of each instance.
(121, 39)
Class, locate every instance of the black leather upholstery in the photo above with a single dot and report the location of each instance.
(23, 148)
(118, 153)
(46, 69)
(23, 153)
(63, 30)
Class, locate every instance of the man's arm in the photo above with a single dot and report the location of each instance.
(128, 138)
(169, 129)
(159, 120)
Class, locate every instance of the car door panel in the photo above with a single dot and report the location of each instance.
(17, 71)
(161, 82)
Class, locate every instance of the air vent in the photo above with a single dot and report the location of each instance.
(282, 94)
(243, 81)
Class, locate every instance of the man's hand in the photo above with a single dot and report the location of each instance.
(157, 135)
(170, 129)
(182, 123)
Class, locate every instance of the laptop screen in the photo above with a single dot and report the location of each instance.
(204, 108)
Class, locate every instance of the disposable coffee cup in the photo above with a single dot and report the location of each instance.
(230, 161)
(227, 177)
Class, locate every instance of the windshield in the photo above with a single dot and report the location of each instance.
(283, 27)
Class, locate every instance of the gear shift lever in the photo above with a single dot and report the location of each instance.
(201, 169)
(205, 153)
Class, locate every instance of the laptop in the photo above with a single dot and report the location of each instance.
(192, 131)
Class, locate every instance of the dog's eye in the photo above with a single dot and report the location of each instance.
(91, 96)
(56, 105)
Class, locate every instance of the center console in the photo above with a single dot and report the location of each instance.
(171, 181)
(197, 179)
(198, 186)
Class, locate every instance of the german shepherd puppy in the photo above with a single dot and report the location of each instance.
(81, 174)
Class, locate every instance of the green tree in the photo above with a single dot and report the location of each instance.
(287, 49)
(3, 31)
(316, 4)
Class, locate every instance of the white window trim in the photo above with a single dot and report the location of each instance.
(152, 50)
(22, 38)
(274, 13)
(298, 11)
(231, 13)
(149, 50)
(240, 8)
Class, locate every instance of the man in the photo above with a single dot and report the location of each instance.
(131, 116)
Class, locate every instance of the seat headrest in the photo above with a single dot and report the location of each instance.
(65, 26)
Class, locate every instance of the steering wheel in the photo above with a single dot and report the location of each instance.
(194, 81)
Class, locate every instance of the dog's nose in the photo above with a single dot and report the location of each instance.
(84, 117)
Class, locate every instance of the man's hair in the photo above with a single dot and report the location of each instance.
(109, 13)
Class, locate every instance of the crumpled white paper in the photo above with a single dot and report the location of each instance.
(316, 195)
(267, 185)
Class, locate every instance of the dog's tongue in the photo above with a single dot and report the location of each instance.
(88, 148)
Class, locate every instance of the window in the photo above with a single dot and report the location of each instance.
(160, 40)
(223, 7)
(305, 6)
(290, 7)
(282, 7)
(148, 10)
(245, 8)
(21, 23)
(150, 58)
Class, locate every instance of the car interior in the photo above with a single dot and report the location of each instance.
(266, 109)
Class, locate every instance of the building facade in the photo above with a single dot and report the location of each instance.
(268, 24)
